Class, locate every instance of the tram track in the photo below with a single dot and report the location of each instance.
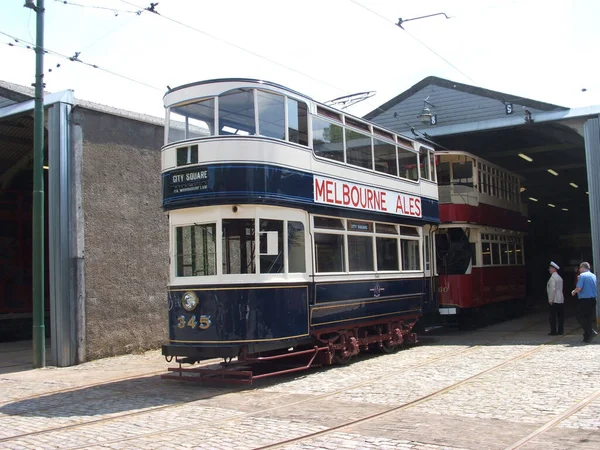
(277, 407)
(557, 420)
(409, 404)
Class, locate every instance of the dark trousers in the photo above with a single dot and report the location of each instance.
(586, 308)
(557, 317)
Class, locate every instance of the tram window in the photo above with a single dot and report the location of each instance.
(453, 251)
(196, 250)
(495, 253)
(386, 228)
(462, 173)
(329, 252)
(360, 253)
(187, 155)
(409, 231)
(297, 122)
(504, 253)
(387, 254)
(238, 246)
(358, 149)
(385, 157)
(329, 113)
(411, 259)
(356, 124)
(329, 223)
(176, 126)
(271, 114)
(518, 254)
(236, 113)
(271, 246)
(385, 134)
(328, 140)
(511, 254)
(192, 120)
(296, 253)
(408, 163)
(443, 172)
(424, 163)
(486, 253)
(432, 161)
(426, 241)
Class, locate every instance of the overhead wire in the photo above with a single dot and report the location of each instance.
(75, 58)
(491, 93)
(114, 10)
(239, 47)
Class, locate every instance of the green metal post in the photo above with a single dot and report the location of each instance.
(39, 332)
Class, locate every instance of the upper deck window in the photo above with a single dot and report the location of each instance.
(192, 120)
(271, 115)
(328, 139)
(297, 122)
(356, 124)
(424, 163)
(329, 113)
(358, 149)
(408, 164)
(497, 183)
(384, 154)
(462, 173)
(236, 113)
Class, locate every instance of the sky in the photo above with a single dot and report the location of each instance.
(545, 50)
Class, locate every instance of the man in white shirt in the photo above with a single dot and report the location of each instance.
(556, 299)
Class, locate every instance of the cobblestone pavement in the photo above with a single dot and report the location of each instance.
(487, 389)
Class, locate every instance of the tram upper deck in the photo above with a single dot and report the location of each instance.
(249, 141)
(473, 190)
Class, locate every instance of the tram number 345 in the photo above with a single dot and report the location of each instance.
(192, 322)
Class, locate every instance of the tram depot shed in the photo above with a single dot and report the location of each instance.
(107, 237)
(563, 145)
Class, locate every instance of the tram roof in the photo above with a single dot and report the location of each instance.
(238, 80)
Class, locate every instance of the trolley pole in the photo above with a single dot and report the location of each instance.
(39, 332)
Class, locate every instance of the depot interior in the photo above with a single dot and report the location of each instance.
(555, 190)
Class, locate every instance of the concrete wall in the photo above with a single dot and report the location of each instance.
(125, 232)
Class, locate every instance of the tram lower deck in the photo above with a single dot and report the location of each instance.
(250, 279)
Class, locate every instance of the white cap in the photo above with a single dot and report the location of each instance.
(553, 264)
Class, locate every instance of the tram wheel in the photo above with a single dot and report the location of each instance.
(340, 359)
(389, 348)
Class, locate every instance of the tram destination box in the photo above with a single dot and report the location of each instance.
(186, 181)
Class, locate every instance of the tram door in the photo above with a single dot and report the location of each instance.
(430, 300)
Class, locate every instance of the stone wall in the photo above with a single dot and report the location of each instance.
(126, 234)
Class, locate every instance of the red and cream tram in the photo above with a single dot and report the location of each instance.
(479, 243)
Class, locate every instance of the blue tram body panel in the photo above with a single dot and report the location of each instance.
(239, 314)
(261, 184)
(348, 302)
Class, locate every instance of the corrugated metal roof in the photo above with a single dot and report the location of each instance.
(16, 132)
(17, 93)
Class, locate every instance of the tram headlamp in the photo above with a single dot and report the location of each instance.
(189, 301)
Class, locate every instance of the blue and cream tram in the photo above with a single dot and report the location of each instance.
(293, 226)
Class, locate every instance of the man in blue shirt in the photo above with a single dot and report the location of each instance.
(587, 291)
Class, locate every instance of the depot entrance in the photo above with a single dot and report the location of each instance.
(16, 188)
(551, 159)
(16, 208)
